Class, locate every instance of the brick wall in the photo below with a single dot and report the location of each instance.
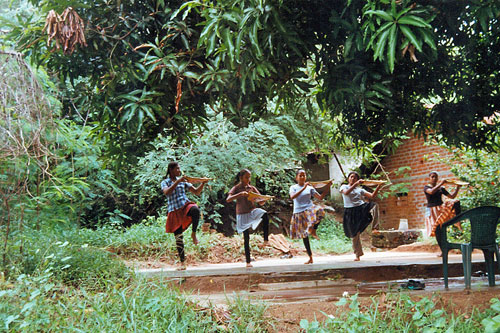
(419, 158)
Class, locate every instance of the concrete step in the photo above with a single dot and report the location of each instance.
(276, 273)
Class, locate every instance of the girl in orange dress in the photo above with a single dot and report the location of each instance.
(437, 211)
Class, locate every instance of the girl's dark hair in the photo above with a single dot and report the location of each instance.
(433, 173)
(171, 166)
(241, 173)
(353, 173)
(298, 171)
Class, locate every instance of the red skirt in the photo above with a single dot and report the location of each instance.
(179, 218)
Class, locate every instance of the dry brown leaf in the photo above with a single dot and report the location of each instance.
(66, 29)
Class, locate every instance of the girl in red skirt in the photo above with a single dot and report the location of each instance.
(181, 211)
(439, 211)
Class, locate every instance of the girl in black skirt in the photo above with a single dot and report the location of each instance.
(357, 212)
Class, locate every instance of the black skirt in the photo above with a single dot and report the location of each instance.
(356, 219)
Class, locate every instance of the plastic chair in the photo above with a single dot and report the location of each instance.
(483, 221)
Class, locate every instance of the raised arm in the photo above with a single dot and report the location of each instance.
(171, 188)
(433, 190)
(232, 197)
(325, 191)
(374, 193)
(197, 190)
(352, 187)
(454, 194)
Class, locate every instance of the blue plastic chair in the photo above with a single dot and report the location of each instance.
(483, 222)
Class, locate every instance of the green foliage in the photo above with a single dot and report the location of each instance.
(220, 152)
(109, 83)
(492, 324)
(81, 188)
(399, 313)
(481, 170)
(148, 241)
(331, 237)
(248, 316)
(37, 304)
(76, 264)
(383, 28)
(152, 66)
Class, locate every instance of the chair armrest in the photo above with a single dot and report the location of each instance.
(442, 232)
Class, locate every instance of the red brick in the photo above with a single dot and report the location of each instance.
(412, 152)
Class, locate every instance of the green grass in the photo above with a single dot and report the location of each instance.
(65, 280)
(37, 304)
(331, 238)
(149, 240)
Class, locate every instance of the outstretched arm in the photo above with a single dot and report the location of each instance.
(325, 191)
(433, 190)
(352, 187)
(374, 193)
(232, 197)
(197, 190)
(454, 194)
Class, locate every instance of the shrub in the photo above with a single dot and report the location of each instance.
(481, 170)
(76, 264)
(219, 152)
(331, 237)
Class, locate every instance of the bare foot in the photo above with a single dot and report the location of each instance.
(314, 234)
(309, 262)
(182, 267)
(357, 258)
(249, 265)
(266, 243)
(193, 237)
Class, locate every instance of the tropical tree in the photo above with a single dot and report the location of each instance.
(382, 67)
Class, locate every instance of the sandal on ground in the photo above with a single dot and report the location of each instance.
(413, 285)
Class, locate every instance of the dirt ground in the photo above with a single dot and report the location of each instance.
(287, 316)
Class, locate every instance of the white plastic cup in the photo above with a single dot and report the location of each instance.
(403, 224)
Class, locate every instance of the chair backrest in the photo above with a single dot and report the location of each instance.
(483, 224)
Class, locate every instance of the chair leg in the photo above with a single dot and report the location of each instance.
(467, 263)
(489, 257)
(445, 267)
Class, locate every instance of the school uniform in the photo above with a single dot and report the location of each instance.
(357, 215)
(248, 216)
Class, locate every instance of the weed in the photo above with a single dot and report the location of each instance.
(399, 313)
